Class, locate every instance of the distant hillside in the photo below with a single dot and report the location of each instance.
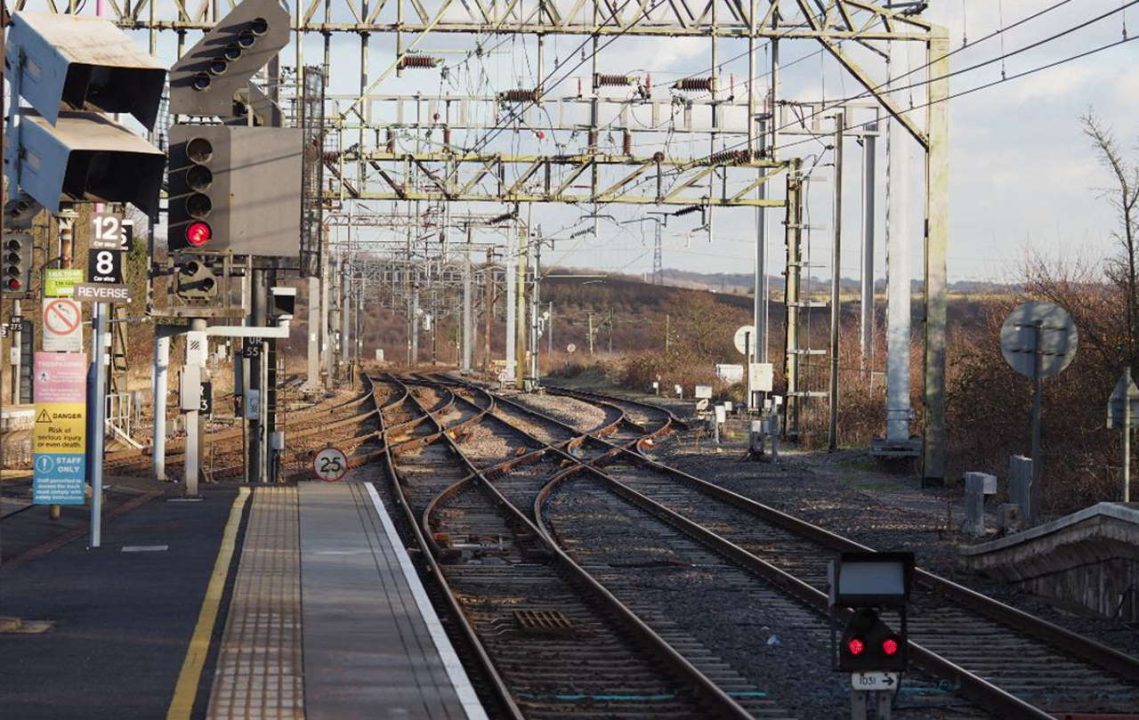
(733, 282)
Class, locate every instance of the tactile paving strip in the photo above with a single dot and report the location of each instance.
(259, 673)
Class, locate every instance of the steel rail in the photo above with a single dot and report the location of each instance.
(436, 576)
(1065, 640)
(708, 690)
(973, 686)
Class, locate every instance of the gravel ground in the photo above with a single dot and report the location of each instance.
(485, 446)
(580, 415)
(667, 579)
(847, 494)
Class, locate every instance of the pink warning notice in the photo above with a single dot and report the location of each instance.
(60, 377)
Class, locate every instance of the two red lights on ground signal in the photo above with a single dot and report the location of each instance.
(857, 646)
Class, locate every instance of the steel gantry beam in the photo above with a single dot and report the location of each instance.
(780, 19)
(539, 178)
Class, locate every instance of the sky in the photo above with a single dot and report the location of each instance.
(1024, 179)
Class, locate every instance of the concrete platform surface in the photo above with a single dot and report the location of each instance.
(373, 646)
(1088, 559)
(267, 602)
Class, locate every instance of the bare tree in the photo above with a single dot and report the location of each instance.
(1124, 197)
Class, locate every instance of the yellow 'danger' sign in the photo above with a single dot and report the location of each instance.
(61, 428)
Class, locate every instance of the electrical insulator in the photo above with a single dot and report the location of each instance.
(417, 61)
(726, 157)
(446, 137)
(695, 84)
(518, 95)
(627, 142)
(601, 80)
(391, 141)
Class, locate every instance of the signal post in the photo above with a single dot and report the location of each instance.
(235, 189)
(75, 73)
(863, 585)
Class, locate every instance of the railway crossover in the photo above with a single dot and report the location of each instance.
(557, 543)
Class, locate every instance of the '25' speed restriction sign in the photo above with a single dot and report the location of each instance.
(330, 464)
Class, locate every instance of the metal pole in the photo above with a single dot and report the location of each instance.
(488, 308)
(794, 236)
(836, 279)
(313, 379)
(258, 292)
(17, 349)
(98, 408)
(194, 429)
(345, 311)
(511, 310)
(550, 328)
(358, 327)
(325, 296)
(866, 345)
(161, 368)
(414, 324)
(1037, 394)
(1127, 434)
(468, 328)
(535, 315)
(898, 274)
(610, 330)
(936, 259)
(520, 325)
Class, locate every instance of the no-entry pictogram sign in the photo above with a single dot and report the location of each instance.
(62, 325)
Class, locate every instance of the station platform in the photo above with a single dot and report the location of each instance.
(249, 602)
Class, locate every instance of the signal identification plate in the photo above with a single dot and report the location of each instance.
(874, 680)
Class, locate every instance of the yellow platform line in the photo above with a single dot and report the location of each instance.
(186, 691)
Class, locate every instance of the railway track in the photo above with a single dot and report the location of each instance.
(560, 545)
(1000, 658)
(531, 611)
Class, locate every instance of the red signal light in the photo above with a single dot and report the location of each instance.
(15, 284)
(198, 234)
(856, 646)
(890, 646)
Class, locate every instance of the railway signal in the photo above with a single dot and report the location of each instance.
(197, 199)
(234, 187)
(214, 74)
(869, 645)
(195, 281)
(17, 266)
(73, 71)
(865, 584)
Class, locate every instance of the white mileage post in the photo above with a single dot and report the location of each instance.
(330, 464)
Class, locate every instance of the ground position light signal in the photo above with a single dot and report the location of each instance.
(868, 644)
